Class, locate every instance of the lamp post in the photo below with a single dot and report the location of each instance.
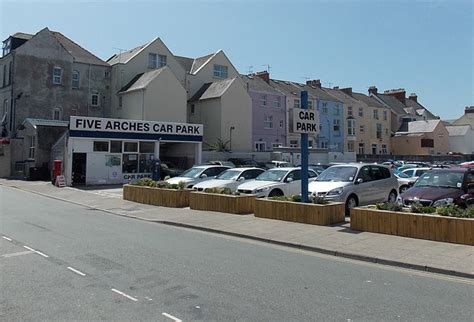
(230, 137)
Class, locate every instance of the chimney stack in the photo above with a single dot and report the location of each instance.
(335, 87)
(347, 90)
(399, 94)
(265, 75)
(314, 82)
(469, 109)
(373, 90)
(413, 97)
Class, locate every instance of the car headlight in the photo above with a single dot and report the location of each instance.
(262, 189)
(335, 192)
(442, 202)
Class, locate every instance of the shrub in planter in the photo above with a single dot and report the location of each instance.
(318, 200)
(389, 206)
(453, 210)
(418, 208)
(220, 191)
(145, 182)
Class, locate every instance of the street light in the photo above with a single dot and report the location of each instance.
(230, 137)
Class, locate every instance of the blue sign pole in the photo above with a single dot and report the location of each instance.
(304, 153)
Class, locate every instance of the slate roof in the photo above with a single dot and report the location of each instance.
(419, 108)
(80, 54)
(285, 87)
(199, 62)
(427, 126)
(395, 105)
(341, 95)
(466, 119)
(256, 84)
(126, 55)
(318, 93)
(22, 35)
(141, 81)
(370, 101)
(458, 130)
(43, 122)
(185, 62)
(212, 90)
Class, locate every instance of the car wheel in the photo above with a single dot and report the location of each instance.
(403, 189)
(275, 193)
(351, 202)
(392, 196)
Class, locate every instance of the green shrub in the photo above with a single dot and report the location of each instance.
(279, 198)
(221, 191)
(296, 198)
(145, 182)
(319, 200)
(390, 206)
(418, 208)
(450, 210)
(469, 212)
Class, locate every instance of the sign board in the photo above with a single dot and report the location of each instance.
(305, 121)
(95, 124)
(60, 181)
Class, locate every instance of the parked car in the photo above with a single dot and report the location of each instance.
(246, 163)
(224, 163)
(356, 184)
(278, 164)
(276, 182)
(231, 179)
(318, 168)
(197, 174)
(404, 182)
(415, 172)
(168, 169)
(442, 186)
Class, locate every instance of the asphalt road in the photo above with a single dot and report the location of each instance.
(86, 264)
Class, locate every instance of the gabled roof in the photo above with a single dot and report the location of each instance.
(80, 54)
(341, 95)
(257, 84)
(22, 35)
(200, 62)
(395, 105)
(318, 93)
(185, 62)
(141, 81)
(369, 101)
(466, 119)
(427, 126)
(419, 108)
(212, 90)
(125, 56)
(286, 87)
(458, 130)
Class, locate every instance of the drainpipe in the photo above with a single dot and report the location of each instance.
(12, 100)
(143, 104)
(89, 91)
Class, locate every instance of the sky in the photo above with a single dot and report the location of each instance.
(426, 47)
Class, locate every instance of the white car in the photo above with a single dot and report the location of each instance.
(415, 172)
(404, 182)
(197, 174)
(231, 179)
(276, 182)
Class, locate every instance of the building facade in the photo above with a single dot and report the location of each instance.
(428, 137)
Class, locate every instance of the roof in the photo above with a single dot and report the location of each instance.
(395, 105)
(80, 54)
(125, 56)
(318, 93)
(409, 134)
(212, 90)
(257, 84)
(418, 108)
(458, 130)
(466, 119)
(285, 87)
(22, 35)
(340, 95)
(186, 62)
(43, 122)
(199, 62)
(370, 101)
(426, 126)
(141, 81)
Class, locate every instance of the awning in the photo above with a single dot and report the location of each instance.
(4, 141)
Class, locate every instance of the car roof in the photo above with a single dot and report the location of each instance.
(419, 168)
(211, 166)
(461, 170)
(246, 168)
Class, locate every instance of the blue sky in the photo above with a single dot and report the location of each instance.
(426, 47)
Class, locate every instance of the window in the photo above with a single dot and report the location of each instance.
(31, 152)
(350, 127)
(365, 174)
(95, 98)
(324, 144)
(281, 123)
(57, 75)
(145, 163)
(325, 108)
(263, 100)
(214, 171)
(106, 74)
(193, 108)
(56, 113)
(260, 146)
(385, 116)
(268, 122)
(5, 108)
(310, 143)
(361, 112)
(379, 131)
(277, 102)
(384, 149)
(7, 45)
(276, 145)
(376, 114)
(386, 131)
(349, 111)
(296, 103)
(147, 147)
(120, 101)
(101, 146)
(161, 61)
(293, 143)
(336, 109)
(361, 148)
(362, 129)
(4, 82)
(310, 105)
(75, 79)
(130, 163)
(130, 147)
(220, 71)
(427, 143)
(374, 148)
(294, 175)
(336, 125)
(115, 146)
(350, 146)
(156, 61)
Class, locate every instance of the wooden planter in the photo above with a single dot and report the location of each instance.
(422, 226)
(305, 213)
(222, 203)
(157, 196)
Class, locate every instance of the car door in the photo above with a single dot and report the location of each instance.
(365, 189)
(381, 186)
(293, 187)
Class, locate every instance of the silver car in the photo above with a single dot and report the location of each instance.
(356, 184)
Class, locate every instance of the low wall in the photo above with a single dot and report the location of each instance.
(222, 203)
(157, 196)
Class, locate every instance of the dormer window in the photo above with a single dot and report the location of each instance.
(57, 75)
(7, 45)
(220, 71)
(156, 61)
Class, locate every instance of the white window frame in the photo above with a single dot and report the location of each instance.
(32, 148)
(377, 126)
(350, 111)
(58, 111)
(336, 122)
(376, 114)
(361, 112)
(350, 146)
(361, 148)
(362, 128)
(296, 103)
(152, 60)
(337, 110)
(385, 115)
(294, 143)
(57, 75)
(95, 93)
(384, 149)
(263, 100)
(276, 145)
(258, 146)
(277, 102)
(324, 145)
(220, 71)
(75, 79)
(325, 108)
(351, 127)
(162, 61)
(268, 122)
(310, 104)
(373, 147)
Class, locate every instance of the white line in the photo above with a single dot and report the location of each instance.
(76, 271)
(17, 254)
(40, 253)
(171, 317)
(5, 237)
(29, 248)
(123, 294)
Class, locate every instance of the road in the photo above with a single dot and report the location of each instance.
(63, 261)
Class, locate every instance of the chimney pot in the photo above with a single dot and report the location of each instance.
(399, 94)
(413, 97)
(335, 87)
(373, 90)
(265, 75)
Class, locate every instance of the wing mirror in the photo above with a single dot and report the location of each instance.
(203, 176)
(359, 180)
(289, 180)
(241, 179)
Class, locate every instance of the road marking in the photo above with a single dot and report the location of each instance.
(40, 253)
(123, 294)
(171, 317)
(17, 254)
(5, 237)
(29, 248)
(76, 271)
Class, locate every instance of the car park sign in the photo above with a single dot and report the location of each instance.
(305, 121)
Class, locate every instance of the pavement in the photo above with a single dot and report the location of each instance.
(338, 240)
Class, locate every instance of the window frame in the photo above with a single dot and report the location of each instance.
(58, 110)
(220, 71)
(261, 144)
(95, 93)
(57, 79)
(351, 127)
(263, 100)
(75, 81)
(268, 122)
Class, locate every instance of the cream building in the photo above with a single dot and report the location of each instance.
(428, 137)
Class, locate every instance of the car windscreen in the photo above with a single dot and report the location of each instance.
(344, 174)
(229, 175)
(441, 179)
(192, 173)
(402, 175)
(272, 175)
